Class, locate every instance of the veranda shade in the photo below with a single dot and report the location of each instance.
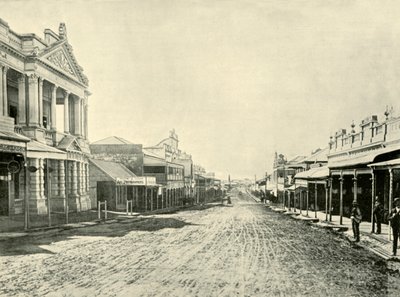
(363, 159)
(313, 173)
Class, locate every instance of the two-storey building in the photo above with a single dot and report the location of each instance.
(364, 165)
(43, 122)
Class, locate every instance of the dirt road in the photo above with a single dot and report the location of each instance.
(242, 249)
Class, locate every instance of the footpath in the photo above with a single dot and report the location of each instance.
(112, 217)
(379, 244)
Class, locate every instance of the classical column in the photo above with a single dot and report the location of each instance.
(21, 101)
(34, 180)
(5, 99)
(53, 114)
(66, 112)
(341, 199)
(55, 177)
(37, 205)
(87, 178)
(41, 178)
(33, 100)
(74, 189)
(40, 101)
(61, 181)
(82, 177)
(78, 178)
(82, 112)
(77, 116)
(86, 121)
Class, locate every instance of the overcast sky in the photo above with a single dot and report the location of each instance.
(238, 80)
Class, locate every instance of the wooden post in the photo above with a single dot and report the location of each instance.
(105, 210)
(162, 198)
(372, 200)
(301, 201)
(307, 201)
(151, 198)
(316, 199)
(48, 190)
(355, 186)
(341, 198)
(98, 210)
(390, 200)
(330, 199)
(145, 198)
(326, 200)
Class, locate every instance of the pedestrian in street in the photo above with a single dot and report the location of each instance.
(378, 215)
(394, 218)
(356, 220)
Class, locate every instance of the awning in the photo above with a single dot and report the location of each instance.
(296, 188)
(13, 136)
(113, 169)
(388, 163)
(313, 173)
(364, 159)
(40, 150)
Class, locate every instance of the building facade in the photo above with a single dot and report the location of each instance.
(41, 80)
(147, 163)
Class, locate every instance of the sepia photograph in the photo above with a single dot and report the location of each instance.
(199, 148)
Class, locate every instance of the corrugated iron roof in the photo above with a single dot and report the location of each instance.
(112, 140)
(37, 149)
(13, 136)
(113, 169)
(313, 173)
(363, 159)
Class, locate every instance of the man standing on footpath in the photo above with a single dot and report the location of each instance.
(356, 220)
(378, 216)
(394, 218)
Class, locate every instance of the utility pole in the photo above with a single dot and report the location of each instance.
(266, 178)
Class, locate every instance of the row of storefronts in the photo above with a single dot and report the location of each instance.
(47, 166)
(361, 166)
(161, 176)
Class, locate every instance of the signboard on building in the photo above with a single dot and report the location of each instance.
(137, 181)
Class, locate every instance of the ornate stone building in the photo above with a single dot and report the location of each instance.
(43, 103)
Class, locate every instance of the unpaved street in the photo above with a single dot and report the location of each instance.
(239, 250)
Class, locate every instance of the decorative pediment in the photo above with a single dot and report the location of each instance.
(74, 146)
(60, 60)
(60, 56)
(70, 144)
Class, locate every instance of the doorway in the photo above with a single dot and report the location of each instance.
(4, 203)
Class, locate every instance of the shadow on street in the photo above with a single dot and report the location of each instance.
(32, 245)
